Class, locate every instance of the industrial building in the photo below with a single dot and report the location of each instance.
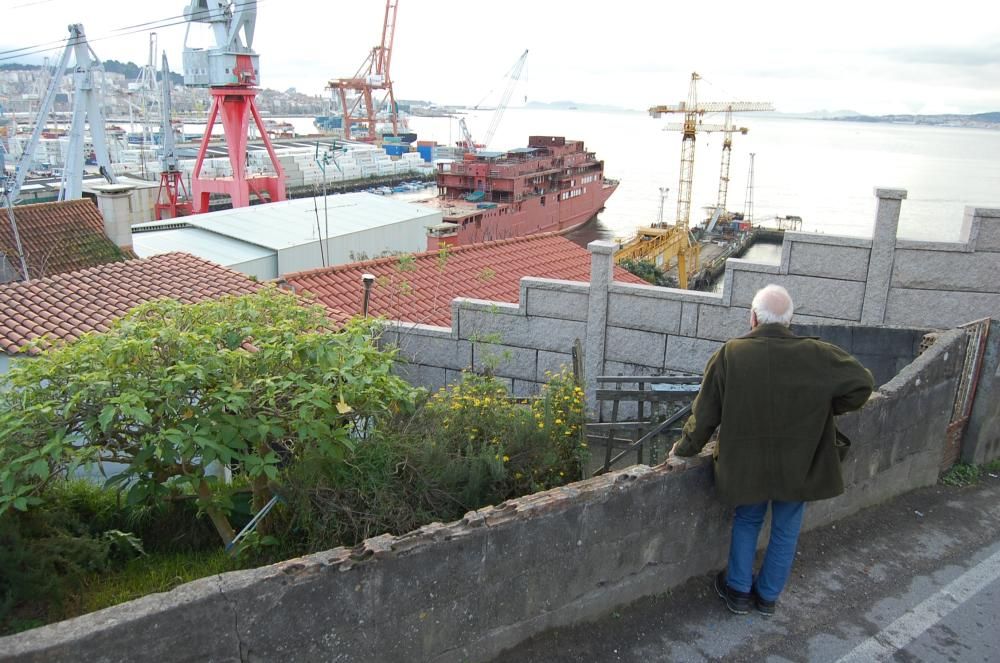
(268, 241)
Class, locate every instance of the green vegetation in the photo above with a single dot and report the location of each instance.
(648, 271)
(963, 474)
(256, 387)
(171, 390)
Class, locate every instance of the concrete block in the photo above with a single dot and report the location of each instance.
(830, 298)
(505, 361)
(552, 362)
(940, 309)
(689, 354)
(652, 313)
(831, 261)
(689, 319)
(552, 303)
(635, 346)
(887, 341)
(721, 323)
(440, 351)
(936, 270)
(526, 332)
(525, 388)
(987, 222)
(839, 335)
(431, 378)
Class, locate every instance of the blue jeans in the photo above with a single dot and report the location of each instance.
(786, 521)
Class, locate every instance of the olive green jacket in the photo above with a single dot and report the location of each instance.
(774, 395)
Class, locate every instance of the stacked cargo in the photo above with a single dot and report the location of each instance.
(351, 163)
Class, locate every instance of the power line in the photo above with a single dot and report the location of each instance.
(149, 26)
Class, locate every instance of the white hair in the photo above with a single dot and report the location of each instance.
(773, 305)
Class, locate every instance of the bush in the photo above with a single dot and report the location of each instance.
(466, 447)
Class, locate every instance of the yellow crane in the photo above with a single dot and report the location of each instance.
(665, 243)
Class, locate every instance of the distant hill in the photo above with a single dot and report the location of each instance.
(129, 69)
(989, 120)
(572, 105)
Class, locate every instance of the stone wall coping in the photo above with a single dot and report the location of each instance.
(602, 246)
(890, 193)
(500, 308)
(739, 264)
(673, 294)
(985, 212)
(820, 238)
(536, 283)
(418, 329)
(923, 245)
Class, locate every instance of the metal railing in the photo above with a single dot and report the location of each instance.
(669, 402)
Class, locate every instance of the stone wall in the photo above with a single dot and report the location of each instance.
(629, 329)
(467, 590)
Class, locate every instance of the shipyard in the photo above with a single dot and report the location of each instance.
(411, 331)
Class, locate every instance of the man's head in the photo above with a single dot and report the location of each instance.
(771, 305)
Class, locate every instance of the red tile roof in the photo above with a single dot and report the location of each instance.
(421, 290)
(67, 305)
(58, 237)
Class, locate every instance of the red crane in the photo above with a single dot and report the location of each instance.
(373, 75)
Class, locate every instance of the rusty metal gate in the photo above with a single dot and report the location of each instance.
(976, 333)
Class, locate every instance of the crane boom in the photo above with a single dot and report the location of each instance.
(712, 107)
(515, 74)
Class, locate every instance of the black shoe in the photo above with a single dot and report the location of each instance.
(737, 602)
(763, 606)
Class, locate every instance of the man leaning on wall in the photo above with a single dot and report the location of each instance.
(773, 396)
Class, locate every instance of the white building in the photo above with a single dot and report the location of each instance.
(268, 241)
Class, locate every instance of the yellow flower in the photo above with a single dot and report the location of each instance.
(518, 475)
(562, 474)
(558, 421)
(541, 425)
(506, 459)
(583, 445)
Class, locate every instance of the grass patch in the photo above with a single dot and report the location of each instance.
(158, 572)
(992, 466)
(962, 474)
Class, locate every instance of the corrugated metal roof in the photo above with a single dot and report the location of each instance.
(203, 243)
(294, 222)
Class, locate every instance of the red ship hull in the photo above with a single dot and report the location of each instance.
(554, 185)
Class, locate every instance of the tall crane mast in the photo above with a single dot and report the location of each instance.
(172, 199)
(146, 87)
(372, 75)
(679, 243)
(230, 72)
(693, 111)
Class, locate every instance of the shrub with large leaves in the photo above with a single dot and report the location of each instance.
(250, 382)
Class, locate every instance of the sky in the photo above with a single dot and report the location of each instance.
(873, 57)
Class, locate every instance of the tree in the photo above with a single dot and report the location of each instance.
(249, 382)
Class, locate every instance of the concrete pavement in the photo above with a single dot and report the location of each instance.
(915, 579)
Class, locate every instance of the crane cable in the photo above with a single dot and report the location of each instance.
(148, 26)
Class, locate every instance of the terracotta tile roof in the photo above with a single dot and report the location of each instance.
(422, 291)
(58, 237)
(67, 305)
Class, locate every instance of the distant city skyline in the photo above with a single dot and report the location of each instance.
(872, 58)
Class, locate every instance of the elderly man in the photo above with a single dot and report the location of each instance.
(773, 396)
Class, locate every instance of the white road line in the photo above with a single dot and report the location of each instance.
(926, 614)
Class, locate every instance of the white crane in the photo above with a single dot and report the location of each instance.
(87, 109)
